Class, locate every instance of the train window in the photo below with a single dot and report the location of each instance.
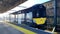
(29, 17)
(20, 18)
(39, 12)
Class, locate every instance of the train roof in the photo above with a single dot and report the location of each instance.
(37, 6)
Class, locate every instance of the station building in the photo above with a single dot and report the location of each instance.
(50, 13)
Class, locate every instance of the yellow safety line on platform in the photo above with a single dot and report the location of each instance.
(25, 31)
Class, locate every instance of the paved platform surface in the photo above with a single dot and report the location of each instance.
(6, 29)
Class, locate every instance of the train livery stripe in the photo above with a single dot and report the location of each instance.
(39, 20)
(25, 31)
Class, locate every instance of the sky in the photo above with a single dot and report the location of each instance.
(24, 5)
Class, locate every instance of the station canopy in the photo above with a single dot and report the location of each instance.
(30, 9)
(21, 11)
(25, 10)
(6, 5)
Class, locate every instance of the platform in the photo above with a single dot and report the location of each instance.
(8, 28)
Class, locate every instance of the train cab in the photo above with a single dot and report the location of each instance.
(38, 16)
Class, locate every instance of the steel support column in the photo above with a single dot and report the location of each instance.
(55, 13)
(14, 18)
(17, 18)
(25, 17)
(55, 16)
(9, 18)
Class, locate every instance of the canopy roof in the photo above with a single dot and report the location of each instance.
(6, 5)
(31, 9)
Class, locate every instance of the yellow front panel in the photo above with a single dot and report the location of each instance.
(39, 20)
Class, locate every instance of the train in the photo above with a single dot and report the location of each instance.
(38, 16)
